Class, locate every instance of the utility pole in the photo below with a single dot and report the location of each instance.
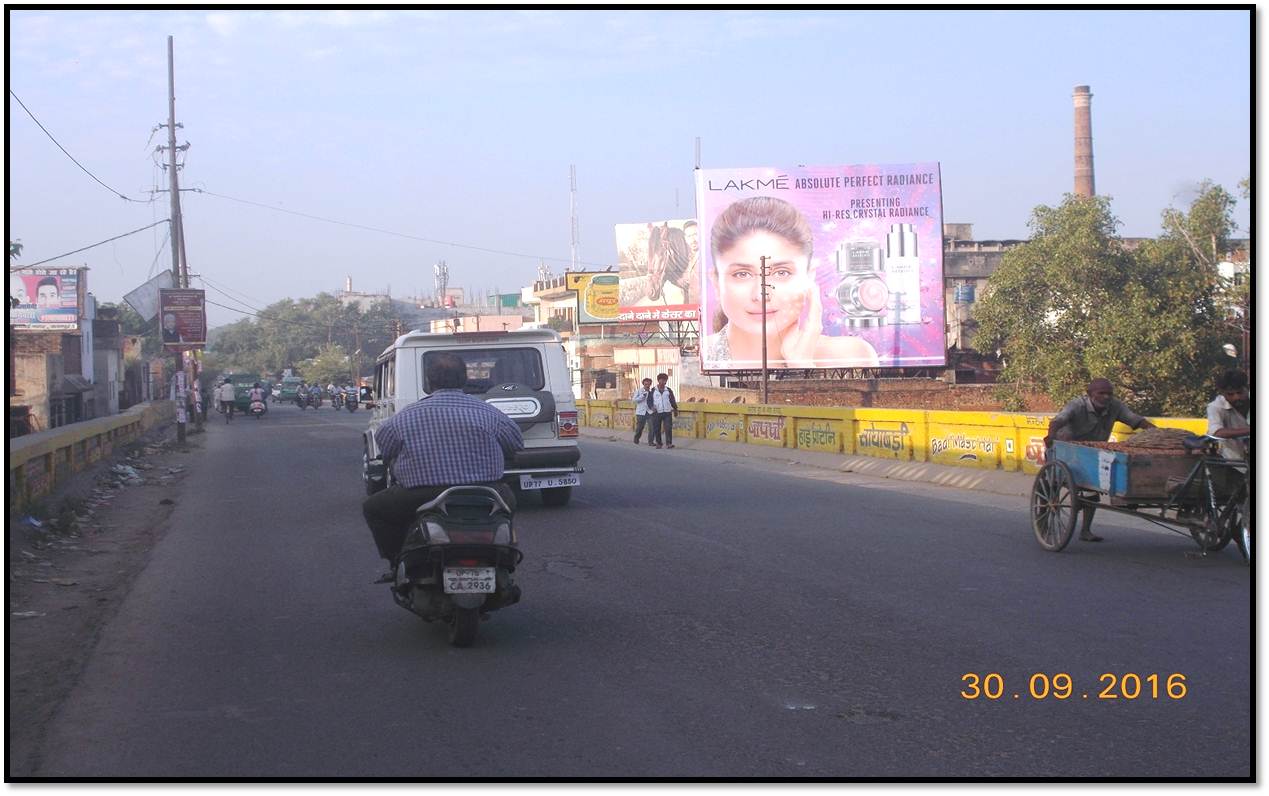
(180, 269)
(762, 272)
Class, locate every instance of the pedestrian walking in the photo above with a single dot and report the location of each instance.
(666, 408)
(643, 410)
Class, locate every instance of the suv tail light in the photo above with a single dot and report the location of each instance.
(567, 422)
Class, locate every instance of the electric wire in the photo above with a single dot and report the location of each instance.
(150, 273)
(393, 232)
(86, 248)
(72, 157)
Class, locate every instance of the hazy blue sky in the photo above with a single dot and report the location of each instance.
(461, 126)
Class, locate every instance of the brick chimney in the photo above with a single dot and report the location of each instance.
(1083, 141)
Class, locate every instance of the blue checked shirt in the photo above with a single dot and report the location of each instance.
(447, 438)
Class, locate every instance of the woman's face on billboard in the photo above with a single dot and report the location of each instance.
(740, 282)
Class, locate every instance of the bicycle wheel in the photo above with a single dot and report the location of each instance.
(1238, 522)
(1054, 504)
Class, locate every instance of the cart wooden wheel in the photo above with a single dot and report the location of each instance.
(1054, 504)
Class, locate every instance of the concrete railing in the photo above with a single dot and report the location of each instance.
(39, 462)
(985, 440)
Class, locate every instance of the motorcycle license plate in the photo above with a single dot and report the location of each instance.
(550, 481)
(470, 580)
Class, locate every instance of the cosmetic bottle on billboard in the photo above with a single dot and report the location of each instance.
(861, 292)
(903, 273)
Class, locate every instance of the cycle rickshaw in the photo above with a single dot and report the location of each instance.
(1190, 489)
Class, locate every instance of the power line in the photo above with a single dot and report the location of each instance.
(86, 248)
(72, 157)
(394, 233)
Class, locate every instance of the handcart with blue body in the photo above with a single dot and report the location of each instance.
(1190, 489)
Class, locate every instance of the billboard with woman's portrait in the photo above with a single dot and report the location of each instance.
(853, 259)
(44, 298)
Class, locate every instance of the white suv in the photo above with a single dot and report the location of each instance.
(523, 373)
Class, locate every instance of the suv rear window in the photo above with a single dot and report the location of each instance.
(487, 367)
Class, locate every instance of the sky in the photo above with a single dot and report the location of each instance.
(459, 127)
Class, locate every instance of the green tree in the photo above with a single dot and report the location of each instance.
(330, 365)
(1073, 303)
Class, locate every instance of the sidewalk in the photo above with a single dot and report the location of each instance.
(998, 482)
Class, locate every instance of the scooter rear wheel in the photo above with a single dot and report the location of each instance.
(462, 629)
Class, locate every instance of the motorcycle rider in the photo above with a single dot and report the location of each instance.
(447, 438)
(315, 395)
(256, 395)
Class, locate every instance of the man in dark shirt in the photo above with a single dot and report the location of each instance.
(446, 439)
(1091, 418)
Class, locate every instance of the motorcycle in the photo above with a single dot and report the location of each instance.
(301, 401)
(350, 402)
(257, 408)
(337, 401)
(457, 560)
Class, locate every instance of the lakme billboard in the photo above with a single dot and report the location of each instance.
(854, 266)
(45, 298)
(659, 267)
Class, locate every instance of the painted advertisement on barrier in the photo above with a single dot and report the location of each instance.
(685, 424)
(659, 267)
(821, 435)
(597, 296)
(183, 314)
(725, 428)
(45, 298)
(884, 439)
(765, 430)
(967, 446)
(854, 266)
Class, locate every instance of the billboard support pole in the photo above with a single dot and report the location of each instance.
(762, 271)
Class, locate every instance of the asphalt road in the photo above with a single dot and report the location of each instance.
(688, 615)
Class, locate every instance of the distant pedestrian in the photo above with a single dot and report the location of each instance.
(666, 408)
(643, 410)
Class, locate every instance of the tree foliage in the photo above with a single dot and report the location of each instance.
(1074, 303)
(292, 334)
(331, 365)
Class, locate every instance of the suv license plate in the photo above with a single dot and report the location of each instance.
(470, 580)
(550, 481)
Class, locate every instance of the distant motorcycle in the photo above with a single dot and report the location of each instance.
(257, 409)
(457, 561)
(350, 402)
(337, 401)
(301, 400)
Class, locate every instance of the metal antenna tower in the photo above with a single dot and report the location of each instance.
(572, 193)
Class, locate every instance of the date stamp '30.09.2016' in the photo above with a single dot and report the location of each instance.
(991, 686)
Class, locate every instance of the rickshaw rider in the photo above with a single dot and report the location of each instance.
(1090, 418)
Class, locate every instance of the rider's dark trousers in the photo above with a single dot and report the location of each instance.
(390, 512)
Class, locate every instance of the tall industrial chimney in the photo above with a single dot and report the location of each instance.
(1083, 141)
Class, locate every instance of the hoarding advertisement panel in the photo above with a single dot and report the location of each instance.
(658, 263)
(183, 313)
(854, 268)
(44, 298)
(596, 296)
